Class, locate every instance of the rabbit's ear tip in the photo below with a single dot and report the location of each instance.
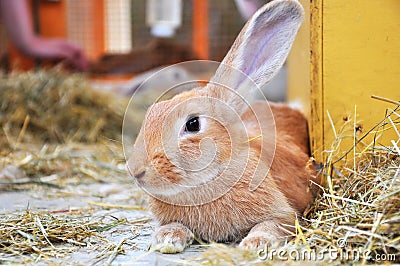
(292, 6)
(263, 45)
(297, 8)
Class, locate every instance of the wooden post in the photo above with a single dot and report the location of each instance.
(98, 45)
(200, 29)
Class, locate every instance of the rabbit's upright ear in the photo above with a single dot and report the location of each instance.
(262, 46)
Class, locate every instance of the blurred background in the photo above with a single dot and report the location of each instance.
(123, 43)
(204, 29)
(127, 40)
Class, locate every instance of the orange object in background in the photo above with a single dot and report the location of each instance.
(53, 19)
(98, 47)
(200, 29)
(52, 23)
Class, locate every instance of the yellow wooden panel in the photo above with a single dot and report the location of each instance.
(354, 52)
(361, 57)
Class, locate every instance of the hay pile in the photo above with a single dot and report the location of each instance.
(58, 131)
(32, 236)
(61, 165)
(360, 208)
(58, 171)
(57, 134)
(53, 106)
(355, 219)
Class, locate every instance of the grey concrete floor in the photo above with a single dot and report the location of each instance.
(136, 239)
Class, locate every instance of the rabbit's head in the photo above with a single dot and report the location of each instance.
(202, 141)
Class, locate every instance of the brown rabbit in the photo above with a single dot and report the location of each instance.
(218, 165)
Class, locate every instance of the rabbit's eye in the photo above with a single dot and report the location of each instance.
(193, 125)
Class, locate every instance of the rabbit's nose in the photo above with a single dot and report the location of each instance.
(139, 174)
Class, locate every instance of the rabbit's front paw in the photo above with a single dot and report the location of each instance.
(256, 241)
(172, 238)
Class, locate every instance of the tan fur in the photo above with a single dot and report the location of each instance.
(201, 183)
(232, 216)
